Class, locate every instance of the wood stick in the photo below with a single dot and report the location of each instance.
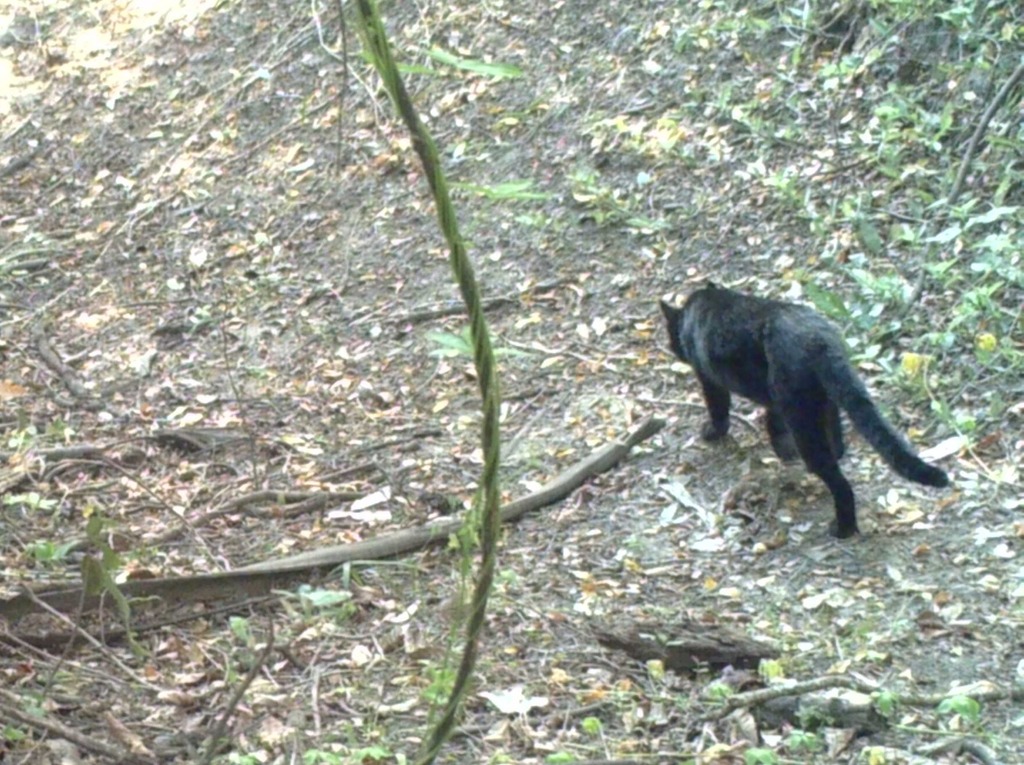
(261, 578)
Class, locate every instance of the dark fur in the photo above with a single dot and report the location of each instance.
(793, 361)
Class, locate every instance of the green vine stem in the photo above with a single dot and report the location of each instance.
(377, 46)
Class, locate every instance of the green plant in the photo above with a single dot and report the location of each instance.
(47, 552)
(770, 669)
(98, 573)
(719, 691)
(22, 438)
(59, 431)
(320, 757)
(656, 670)
(789, 191)
(655, 138)
(559, 758)
(12, 734)
(804, 741)
(516, 191)
(828, 302)
(237, 758)
(760, 756)
(30, 502)
(964, 707)
(887, 704)
(369, 754)
(314, 601)
(607, 206)
(441, 681)
(240, 628)
(497, 71)
(452, 345)
(592, 726)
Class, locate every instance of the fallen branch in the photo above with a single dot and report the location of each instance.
(429, 313)
(401, 542)
(763, 695)
(288, 504)
(12, 707)
(979, 131)
(66, 374)
(960, 745)
(36, 264)
(217, 735)
(44, 462)
(15, 468)
(261, 578)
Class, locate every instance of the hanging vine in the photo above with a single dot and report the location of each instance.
(377, 47)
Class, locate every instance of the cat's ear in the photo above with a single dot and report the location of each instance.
(668, 309)
(712, 285)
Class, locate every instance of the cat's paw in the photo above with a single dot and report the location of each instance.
(844, 531)
(714, 431)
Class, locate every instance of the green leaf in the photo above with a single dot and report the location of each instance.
(802, 741)
(96, 578)
(49, 552)
(887, 703)
(829, 303)
(759, 756)
(644, 223)
(518, 190)
(770, 669)
(997, 243)
(591, 726)
(452, 345)
(324, 598)
(499, 71)
(996, 213)
(417, 69)
(240, 628)
(869, 237)
(946, 235)
(12, 735)
(964, 706)
(32, 500)
(462, 345)
(93, 528)
(367, 55)
(719, 691)
(374, 753)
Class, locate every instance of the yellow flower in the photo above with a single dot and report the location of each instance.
(986, 342)
(912, 364)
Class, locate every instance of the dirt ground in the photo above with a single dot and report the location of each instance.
(205, 226)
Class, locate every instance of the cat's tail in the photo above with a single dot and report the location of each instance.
(848, 391)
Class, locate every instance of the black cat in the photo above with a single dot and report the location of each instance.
(793, 361)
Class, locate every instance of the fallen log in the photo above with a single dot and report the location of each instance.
(685, 645)
(261, 578)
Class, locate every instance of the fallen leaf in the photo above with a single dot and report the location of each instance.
(370, 500)
(945, 448)
(9, 390)
(513, 700)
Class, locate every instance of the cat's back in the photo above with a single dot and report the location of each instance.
(725, 327)
(728, 310)
(739, 322)
(793, 329)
